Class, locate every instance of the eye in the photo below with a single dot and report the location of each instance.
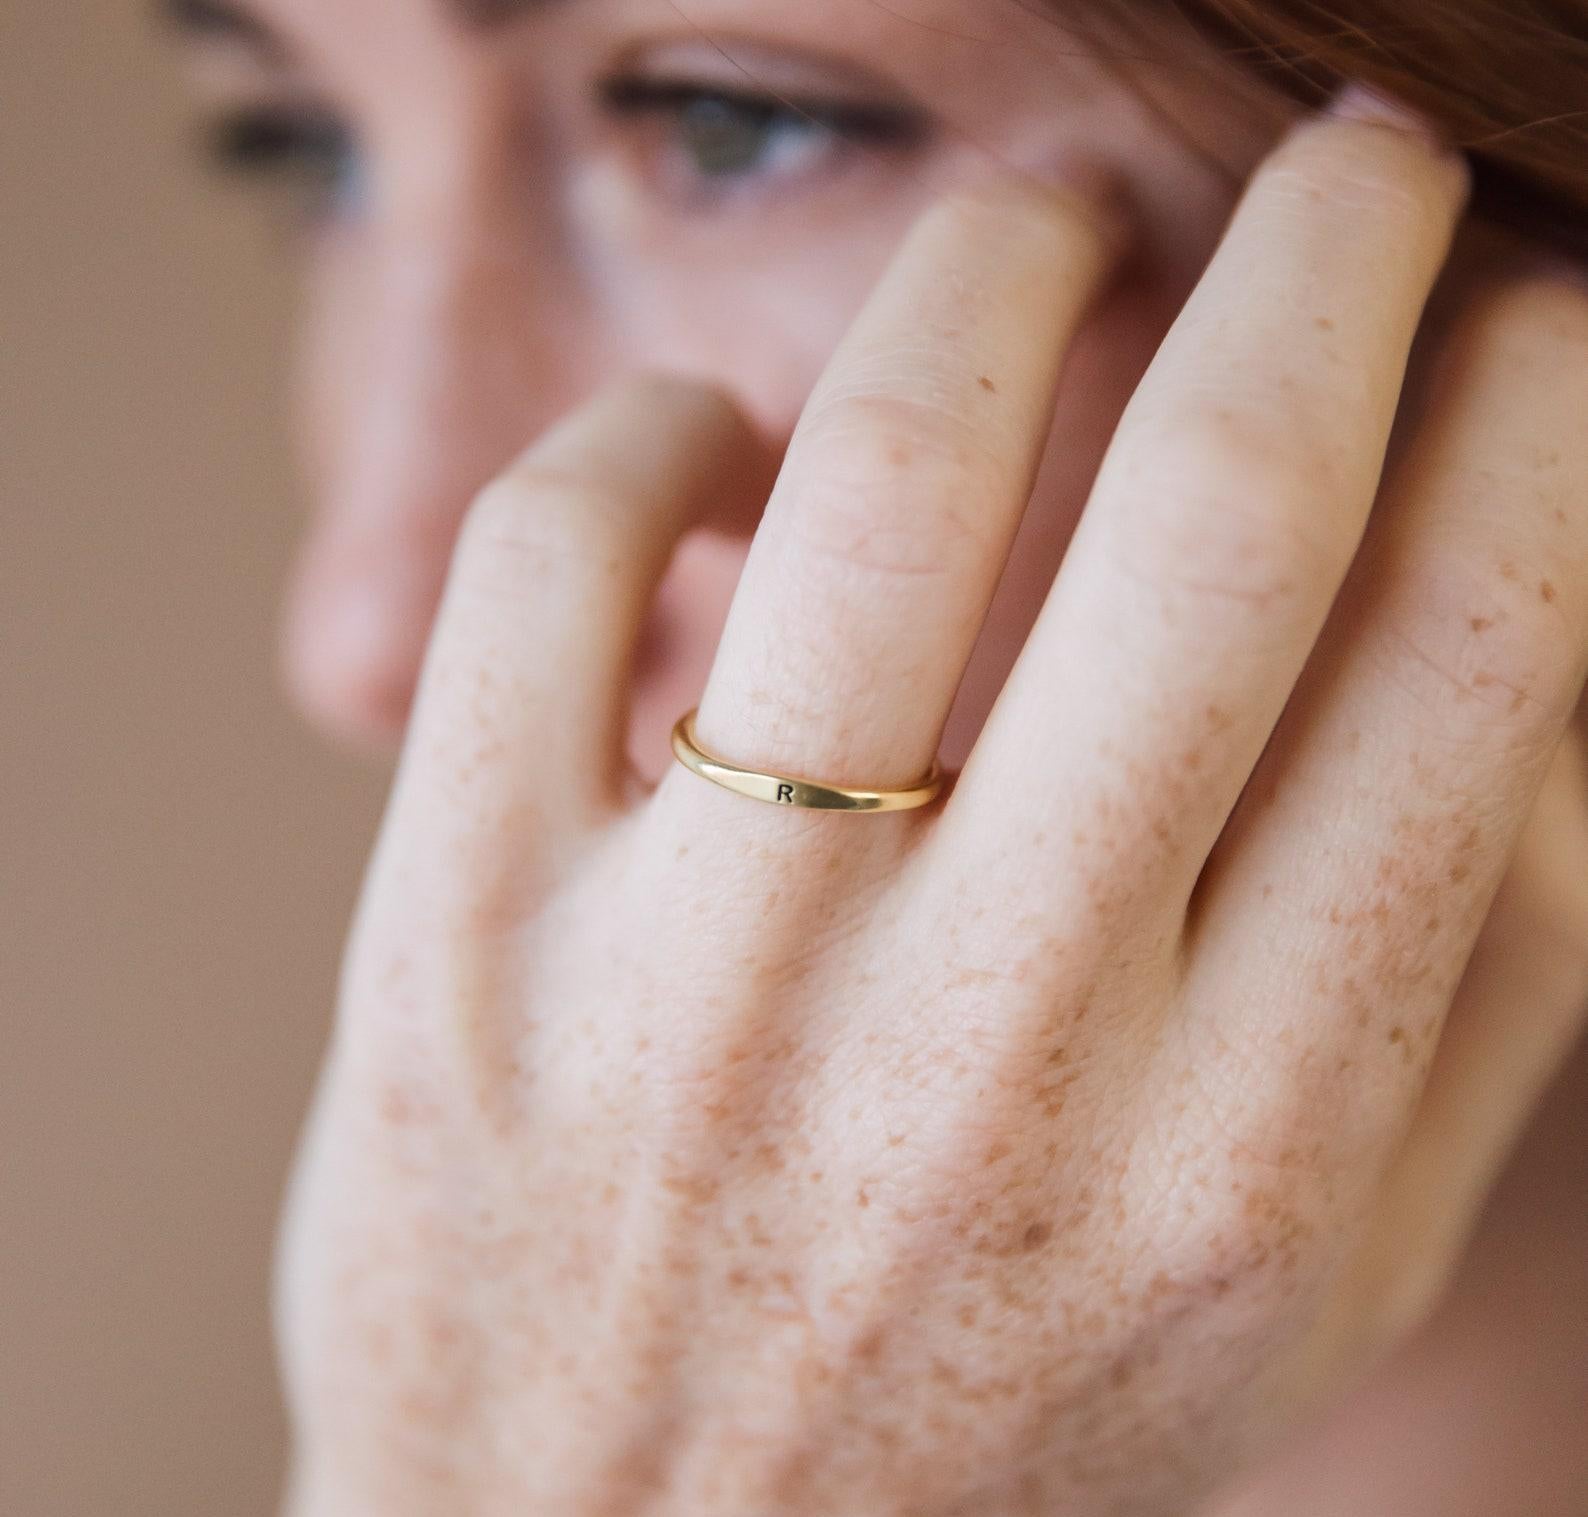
(311, 150)
(725, 139)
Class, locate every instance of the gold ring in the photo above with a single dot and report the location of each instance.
(787, 789)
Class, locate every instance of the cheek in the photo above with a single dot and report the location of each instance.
(449, 352)
(755, 299)
(329, 359)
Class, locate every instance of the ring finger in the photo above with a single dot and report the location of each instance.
(903, 486)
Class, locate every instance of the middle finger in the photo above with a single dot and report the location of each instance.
(1223, 520)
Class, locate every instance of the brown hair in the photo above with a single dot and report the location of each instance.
(1507, 80)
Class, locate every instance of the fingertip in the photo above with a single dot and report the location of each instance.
(1361, 105)
(1367, 157)
(1076, 199)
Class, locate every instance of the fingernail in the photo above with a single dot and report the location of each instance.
(1356, 102)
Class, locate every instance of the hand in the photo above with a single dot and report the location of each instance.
(684, 1155)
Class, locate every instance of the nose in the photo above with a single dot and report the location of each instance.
(440, 343)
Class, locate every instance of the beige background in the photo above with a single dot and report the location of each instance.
(177, 857)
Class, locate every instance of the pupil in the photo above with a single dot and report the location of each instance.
(725, 137)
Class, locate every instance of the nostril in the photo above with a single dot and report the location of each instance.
(351, 653)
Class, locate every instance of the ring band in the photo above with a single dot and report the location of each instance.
(789, 790)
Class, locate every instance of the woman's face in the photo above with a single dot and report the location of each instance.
(516, 200)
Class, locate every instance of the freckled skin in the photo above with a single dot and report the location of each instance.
(695, 1163)
(880, 1306)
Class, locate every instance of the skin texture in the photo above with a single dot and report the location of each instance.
(1059, 1149)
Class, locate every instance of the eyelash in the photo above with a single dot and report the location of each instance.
(855, 120)
(317, 150)
(704, 127)
(310, 148)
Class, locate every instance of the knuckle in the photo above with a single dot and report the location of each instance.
(899, 489)
(1234, 507)
(531, 522)
(1242, 1180)
(871, 431)
(1488, 632)
(717, 1084)
(845, 527)
(427, 1009)
(1259, 451)
(1230, 1219)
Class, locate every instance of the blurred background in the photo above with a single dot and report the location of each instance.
(178, 857)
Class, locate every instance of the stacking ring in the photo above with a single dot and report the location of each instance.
(790, 790)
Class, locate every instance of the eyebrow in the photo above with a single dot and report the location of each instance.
(226, 20)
